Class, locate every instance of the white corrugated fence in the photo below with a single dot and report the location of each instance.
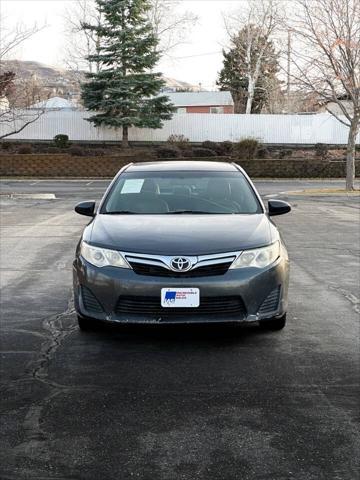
(288, 129)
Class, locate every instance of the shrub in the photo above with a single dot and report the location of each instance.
(168, 152)
(227, 147)
(215, 147)
(177, 139)
(187, 152)
(203, 152)
(321, 150)
(61, 140)
(25, 150)
(263, 152)
(247, 148)
(5, 145)
(284, 153)
(52, 150)
(76, 151)
(221, 148)
(98, 152)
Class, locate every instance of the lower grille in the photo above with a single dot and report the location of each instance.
(157, 271)
(271, 302)
(90, 302)
(150, 306)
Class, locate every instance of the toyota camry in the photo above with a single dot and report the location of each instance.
(181, 242)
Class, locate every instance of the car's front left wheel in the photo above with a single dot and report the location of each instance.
(273, 323)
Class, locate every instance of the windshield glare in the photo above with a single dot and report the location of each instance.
(181, 192)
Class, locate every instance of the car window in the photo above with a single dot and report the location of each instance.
(182, 192)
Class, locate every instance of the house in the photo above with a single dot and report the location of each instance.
(173, 85)
(202, 102)
(334, 107)
(54, 103)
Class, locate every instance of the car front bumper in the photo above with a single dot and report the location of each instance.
(120, 295)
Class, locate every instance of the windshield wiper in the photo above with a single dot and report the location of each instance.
(179, 212)
(120, 212)
(174, 212)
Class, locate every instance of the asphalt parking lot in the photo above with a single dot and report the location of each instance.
(178, 403)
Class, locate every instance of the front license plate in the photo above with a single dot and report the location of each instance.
(180, 297)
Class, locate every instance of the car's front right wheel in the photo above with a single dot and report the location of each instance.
(273, 323)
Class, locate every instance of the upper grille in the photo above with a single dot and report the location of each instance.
(158, 271)
(151, 306)
(163, 265)
(271, 302)
(90, 302)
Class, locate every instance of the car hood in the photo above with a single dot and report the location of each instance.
(179, 234)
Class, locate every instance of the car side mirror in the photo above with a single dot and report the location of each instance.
(85, 208)
(278, 207)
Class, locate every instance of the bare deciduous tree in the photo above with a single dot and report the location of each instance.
(13, 119)
(79, 42)
(260, 20)
(12, 38)
(326, 61)
(170, 24)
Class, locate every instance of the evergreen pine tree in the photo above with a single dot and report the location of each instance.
(233, 75)
(125, 90)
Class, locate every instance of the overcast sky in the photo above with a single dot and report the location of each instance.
(200, 64)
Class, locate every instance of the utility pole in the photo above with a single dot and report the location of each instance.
(288, 71)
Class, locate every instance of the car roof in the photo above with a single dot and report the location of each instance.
(186, 165)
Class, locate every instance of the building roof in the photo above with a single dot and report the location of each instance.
(54, 103)
(200, 99)
(171, 85)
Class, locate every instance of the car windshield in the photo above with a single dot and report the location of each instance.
(179, 192)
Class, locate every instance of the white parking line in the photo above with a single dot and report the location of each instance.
(33, 196)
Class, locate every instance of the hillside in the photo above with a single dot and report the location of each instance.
(59, 81)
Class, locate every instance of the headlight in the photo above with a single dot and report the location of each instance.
(102, 257)
(259, 257)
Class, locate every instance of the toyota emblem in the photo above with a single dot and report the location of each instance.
(180, 264)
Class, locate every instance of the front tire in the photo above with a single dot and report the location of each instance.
(273, 323)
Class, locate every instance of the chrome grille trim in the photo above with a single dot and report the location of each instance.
(146, 261)
(164, 261)
(215, 260)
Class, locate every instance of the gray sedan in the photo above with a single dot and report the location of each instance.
(181, 242)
